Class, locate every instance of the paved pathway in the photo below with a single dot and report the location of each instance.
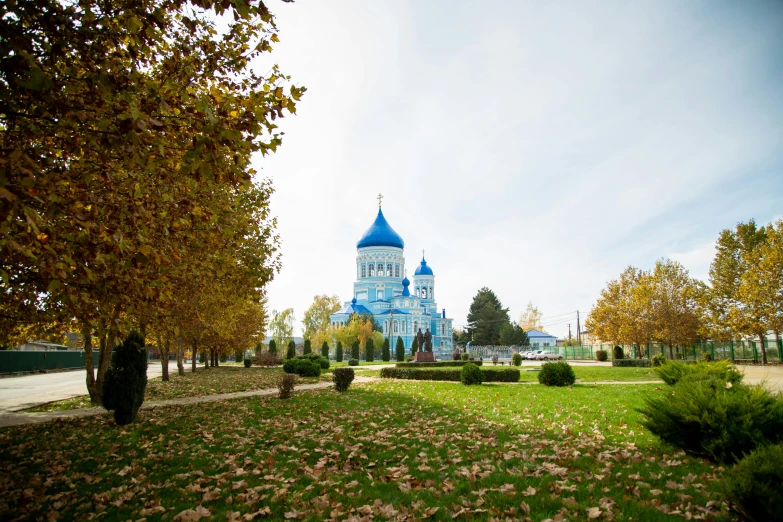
(28, 391)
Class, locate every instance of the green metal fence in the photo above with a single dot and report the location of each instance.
(735, 351)
(13, 361)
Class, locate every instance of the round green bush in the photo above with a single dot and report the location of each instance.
(556, 374)
(601, 355)
(465, 356)
(754, 487)
(471, 374)
(342, 377)
(248, 363)
(308, 368)
(290, 365)
(353, 362)
(516, 359)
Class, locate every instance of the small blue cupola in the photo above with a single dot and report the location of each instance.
(380, 234)
(405, 285)
(423, 268)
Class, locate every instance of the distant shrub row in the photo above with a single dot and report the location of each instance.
(423, 374)
(634, 363)
(435, 364)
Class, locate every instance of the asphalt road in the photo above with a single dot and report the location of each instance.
(26, 391)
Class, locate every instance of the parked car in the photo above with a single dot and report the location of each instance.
(534, 354)
(543, 356)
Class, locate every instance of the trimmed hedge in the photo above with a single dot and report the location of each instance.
(342, 378)
(635, 363)
(434, 374)
(556, 374)
(601, 355)
(436, 364)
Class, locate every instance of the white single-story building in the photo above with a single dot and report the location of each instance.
(540, 340)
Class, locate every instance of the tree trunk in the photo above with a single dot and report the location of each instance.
(215, 358)
(195, 357)
(180, 359)
(763, 350)
(164, 359)
(92, 389)
(671, 352)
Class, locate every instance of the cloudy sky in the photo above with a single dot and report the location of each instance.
(536, 148)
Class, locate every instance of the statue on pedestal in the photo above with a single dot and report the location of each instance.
(420, 340)
(428, 341)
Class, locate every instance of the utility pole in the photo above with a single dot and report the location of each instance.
(569, 332)
(578, 329)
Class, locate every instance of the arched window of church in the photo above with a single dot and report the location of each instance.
(415, 326)
(379, 270)
(424, 293)
(388, 270)
(372, 270)
(403, 326)
(396, 327)
(397, 271)
(364, 270)
(432, 293)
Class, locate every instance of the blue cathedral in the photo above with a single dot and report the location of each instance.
(382, 289)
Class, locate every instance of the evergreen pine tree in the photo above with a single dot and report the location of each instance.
(272, 347)
(414, 346)
(369, 350)
(400, 350)
(325, 350)
(307, 347)
(386, 354)
(291, 350)
(355, 350)
(338, 352)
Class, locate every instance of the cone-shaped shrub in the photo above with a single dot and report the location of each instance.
(369, 349)
(126, 379)
(386, 353)
(272, 347)
(400, 349)
(338, 352)
(307, 347)
(414, 346)
(325, 350)
(355, 350)
(291, 350)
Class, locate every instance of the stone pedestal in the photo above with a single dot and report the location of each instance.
(424, 357)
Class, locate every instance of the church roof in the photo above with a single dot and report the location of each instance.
(380, 234)
(423, 268)
(396, 311)
(353, 307)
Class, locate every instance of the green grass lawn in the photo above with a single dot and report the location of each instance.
(205, 381)
(583, 373)
(390, 449)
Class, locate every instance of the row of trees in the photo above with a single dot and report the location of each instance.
(489, 323)
(127, 130)
(743, 297)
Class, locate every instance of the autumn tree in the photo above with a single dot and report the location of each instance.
(316, 317)
(281, 326)
(486, 317)
(676, 314)
(127, 134)
(759, 296)
(530, 319)
(734, 250)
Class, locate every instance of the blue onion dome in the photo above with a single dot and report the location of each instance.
(423, 269)
(405, 285)
(380, 234)
(353, 301)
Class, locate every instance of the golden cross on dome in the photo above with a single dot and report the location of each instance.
(422, 253)
(380, 197)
